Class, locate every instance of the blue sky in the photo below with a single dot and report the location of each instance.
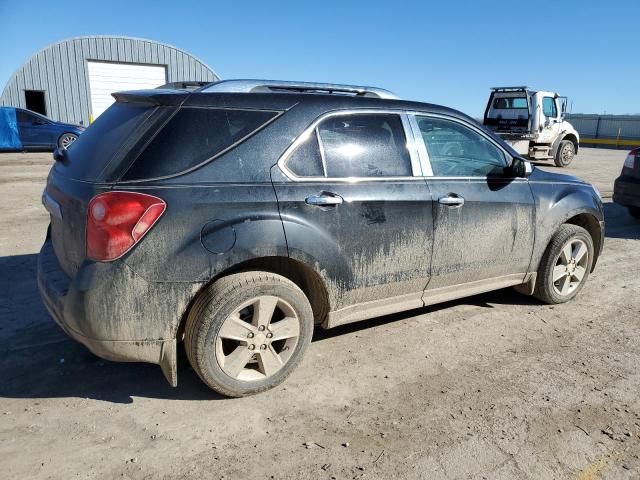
(446, 52)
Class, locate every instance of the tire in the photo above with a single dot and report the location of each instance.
(565, 154)
(634, 212)
(236, 357)
(553, 261)
(66, 139)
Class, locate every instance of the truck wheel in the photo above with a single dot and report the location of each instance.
(634, 212)
(565, 154)
(247, 332)
(565, 266)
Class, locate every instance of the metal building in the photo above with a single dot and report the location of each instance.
(72, 80)
(618, 131)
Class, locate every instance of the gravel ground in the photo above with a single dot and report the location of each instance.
(495, 386)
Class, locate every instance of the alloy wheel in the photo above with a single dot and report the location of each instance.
(67, 140)
(571, 267)
(258, 338)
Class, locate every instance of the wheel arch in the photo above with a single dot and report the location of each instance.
(573, 139)
(591, 224)
(562, 137)
(298, 272)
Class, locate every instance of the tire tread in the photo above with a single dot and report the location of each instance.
(544, 290)
(203, 314)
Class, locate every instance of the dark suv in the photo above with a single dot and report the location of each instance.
(626, 189)
(238, 216)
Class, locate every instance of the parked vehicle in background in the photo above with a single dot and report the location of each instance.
(626, 189)
(239, 216)
(533, 123)
(31, 131)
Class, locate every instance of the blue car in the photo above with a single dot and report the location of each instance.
(26, 130)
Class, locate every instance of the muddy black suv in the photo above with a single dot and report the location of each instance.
(237, 217)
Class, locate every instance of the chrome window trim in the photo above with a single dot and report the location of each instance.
(421, 148)
(416, 162)
(321, 148)
(420, 141)
(410, 145)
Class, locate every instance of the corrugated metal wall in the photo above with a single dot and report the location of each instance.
(60, 70)
(608, 129)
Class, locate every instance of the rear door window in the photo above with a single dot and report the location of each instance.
(364, 145)
(306, 160)
(193, 136)
(354, 145)
(24, 117)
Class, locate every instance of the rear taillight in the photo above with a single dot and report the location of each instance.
(631, 158)
(116, 221)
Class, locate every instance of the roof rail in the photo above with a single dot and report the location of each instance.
(262, 86)
(509, 89)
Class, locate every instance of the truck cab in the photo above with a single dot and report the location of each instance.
(533, 123)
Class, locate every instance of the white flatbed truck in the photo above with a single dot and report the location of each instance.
(533, 123)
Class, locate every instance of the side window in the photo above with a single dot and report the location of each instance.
(306, 159)
(456, 150)
(364, 145)
(549, 107)
(24, 117)
(192, 136)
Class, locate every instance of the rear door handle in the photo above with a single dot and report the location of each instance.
(451, 201)
(324, 199)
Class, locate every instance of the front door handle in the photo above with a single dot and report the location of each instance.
(324, 199)
(451, 201)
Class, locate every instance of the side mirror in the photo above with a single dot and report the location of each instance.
(521, 168)
(563, 107)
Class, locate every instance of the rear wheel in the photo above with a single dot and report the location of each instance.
(565, 266)
(66, 139)
(247, 332)
(565, 154)
(634, 212)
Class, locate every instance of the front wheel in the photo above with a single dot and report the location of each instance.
(66, 139)
(565, 266)
(247, 332)
(565, 154)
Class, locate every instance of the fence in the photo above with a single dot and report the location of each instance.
(609, 131)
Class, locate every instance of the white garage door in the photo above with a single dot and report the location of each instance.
(106, 78)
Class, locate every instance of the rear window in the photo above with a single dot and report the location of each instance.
(193, 136)
(509, 103)
(98, 144)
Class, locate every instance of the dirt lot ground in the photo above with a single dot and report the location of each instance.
(494, 386)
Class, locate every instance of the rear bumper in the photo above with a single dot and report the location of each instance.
(113, 312)
(626, 191)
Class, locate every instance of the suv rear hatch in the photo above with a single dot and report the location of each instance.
(94, 162)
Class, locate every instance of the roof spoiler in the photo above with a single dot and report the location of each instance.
(152, 97)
